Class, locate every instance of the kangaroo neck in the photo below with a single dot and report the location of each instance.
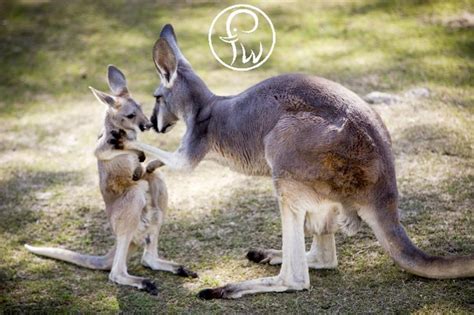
(202, 99)
(110, 125)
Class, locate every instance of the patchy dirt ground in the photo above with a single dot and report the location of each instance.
(50, 51)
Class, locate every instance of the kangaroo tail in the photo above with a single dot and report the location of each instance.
(87, 261)
(392, 236)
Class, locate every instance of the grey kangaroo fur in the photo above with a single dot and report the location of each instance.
(328, 153)
(124, 185)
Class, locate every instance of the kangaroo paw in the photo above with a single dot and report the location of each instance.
(137, 173)
(118, 138)
(210, 294)
(183, 272)
(150, 287)
(256, 255)
(153, 165)
(141, 156)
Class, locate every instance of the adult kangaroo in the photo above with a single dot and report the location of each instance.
(328, 153)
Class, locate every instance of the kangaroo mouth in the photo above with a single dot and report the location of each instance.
(154, 122)
(167, 128)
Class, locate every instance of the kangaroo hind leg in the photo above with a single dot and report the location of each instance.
(125, 218)
(151, 222)
(321, 224)
(293, 200)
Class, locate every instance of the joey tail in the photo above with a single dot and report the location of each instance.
(87, 261)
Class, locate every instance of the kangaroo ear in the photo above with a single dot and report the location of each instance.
(168, 32)
(105, 98)
(165, 61)
(117, 81)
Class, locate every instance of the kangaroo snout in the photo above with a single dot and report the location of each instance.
(166, 128)
(154, 121)
(145, 126)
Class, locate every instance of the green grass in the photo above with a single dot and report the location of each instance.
(50, 51)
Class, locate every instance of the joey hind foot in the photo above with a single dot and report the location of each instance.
(156, 263)
(183, 272)
(140, 283)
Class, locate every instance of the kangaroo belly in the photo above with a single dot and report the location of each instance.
(322, 218)
(240, 161)
(116, 175)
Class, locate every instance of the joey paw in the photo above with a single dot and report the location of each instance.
(118, 138)
(153, 165)
(137, 173)
(141, 156)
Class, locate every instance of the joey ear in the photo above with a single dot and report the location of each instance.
(105, 98)
(117, 81)
(165, 61)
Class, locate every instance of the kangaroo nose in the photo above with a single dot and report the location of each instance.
(148, 125)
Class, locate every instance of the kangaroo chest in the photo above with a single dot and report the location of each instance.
(115, 175)
(236, 136)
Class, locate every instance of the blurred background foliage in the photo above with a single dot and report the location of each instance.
(60, 47)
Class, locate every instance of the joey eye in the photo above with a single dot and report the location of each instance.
(131, 116)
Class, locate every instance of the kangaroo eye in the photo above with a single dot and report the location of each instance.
(130, 116)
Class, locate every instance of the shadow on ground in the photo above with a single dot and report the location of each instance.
(20, 197)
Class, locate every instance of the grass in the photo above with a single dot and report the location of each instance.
(50, 51)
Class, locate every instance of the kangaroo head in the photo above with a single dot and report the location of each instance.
(123, 112)
(181, 91)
